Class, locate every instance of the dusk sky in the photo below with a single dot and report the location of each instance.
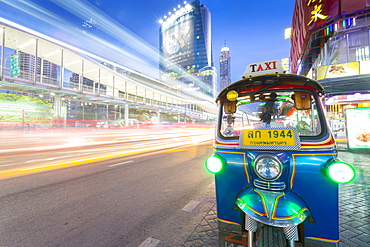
(127, 32)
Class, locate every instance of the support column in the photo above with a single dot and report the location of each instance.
(96, 106)
(42, 70)
(81, 77)
(136, 94)
(126, 115)
(107, 112)
(158, 117)
(99, 83)
(3, 55)
(57, 106)
(83, 111)
(126, 93)
(36, 56)
(113, 87)
(62, 69)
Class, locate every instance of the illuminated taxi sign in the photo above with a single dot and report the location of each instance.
(262, 68)
(270, 139)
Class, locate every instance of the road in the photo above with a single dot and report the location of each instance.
(105, 190)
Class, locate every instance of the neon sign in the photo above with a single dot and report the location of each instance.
(317, 13)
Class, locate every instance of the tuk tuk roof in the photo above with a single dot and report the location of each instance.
(262, 82)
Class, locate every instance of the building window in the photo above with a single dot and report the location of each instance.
(358, 46)
(362, 53)
(337, 50)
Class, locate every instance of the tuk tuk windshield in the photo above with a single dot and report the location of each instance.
(278, 109)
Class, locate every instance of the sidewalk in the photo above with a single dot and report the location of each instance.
(354, 202)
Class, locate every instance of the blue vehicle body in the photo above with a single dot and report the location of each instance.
(275, 146)
(307, 191)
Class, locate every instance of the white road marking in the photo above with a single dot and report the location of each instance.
(30, 161)
(150, 242)
(8, 165)
(54, 158)
(211, 185)
(190, 206)
(122, 163)
(47, 159)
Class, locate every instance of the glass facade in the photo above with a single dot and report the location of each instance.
(185, 48)
(341, 56)
(348, 44)
(342, 66)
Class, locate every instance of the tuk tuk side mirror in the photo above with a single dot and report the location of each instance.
(230, 103)
(230, 107)
(302, 100)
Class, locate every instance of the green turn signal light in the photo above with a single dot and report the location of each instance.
(214, 164)
(341, 172)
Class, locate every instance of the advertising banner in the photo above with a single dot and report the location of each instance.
(178, 43)
(26, 110)
(18, 109)
(337, 70)
(358, 127)
(340, 70)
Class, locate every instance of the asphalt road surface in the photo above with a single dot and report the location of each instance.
(126, 193)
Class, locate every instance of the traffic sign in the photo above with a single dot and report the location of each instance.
(15, 65)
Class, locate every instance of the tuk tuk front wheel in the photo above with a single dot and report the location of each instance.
(270, 236)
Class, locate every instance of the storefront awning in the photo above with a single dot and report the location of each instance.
(346, 85)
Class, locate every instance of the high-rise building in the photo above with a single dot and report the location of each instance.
(225, 72)
(45, 68)
(185, 47)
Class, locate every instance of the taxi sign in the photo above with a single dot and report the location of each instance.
(263, 68)
(270, 139)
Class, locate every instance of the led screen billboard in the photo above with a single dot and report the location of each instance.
(178, 43)
(358, 127)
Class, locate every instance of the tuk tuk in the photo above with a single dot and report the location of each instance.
(275, 160)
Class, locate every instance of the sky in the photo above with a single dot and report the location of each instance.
(127, 31)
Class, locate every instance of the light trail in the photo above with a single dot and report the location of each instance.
(148, 59)
(158, 147)
(85, 10)
(71, 30)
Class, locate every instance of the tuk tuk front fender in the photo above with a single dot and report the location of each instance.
(275, 208)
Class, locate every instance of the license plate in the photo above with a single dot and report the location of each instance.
(269, 137)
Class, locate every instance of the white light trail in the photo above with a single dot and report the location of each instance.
(110, 51)
(148, 59)
(85, 10)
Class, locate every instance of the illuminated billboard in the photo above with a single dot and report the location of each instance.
(178, 43)
(358, 127)
(340, 70)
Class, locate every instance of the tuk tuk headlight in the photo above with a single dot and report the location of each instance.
(340, 172)
(268, 166)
